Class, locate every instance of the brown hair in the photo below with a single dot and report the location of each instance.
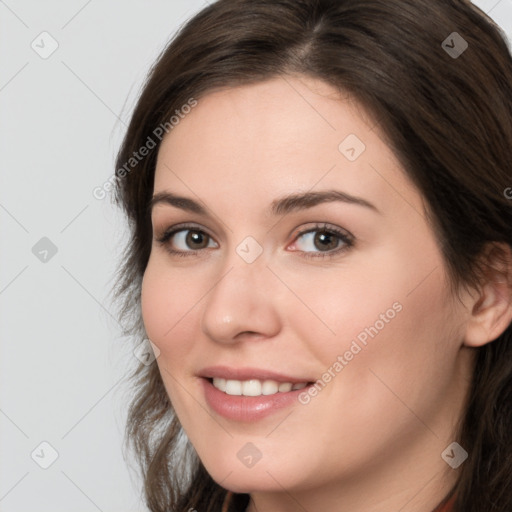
(448, 119)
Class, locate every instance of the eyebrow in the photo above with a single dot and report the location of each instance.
(280, 206)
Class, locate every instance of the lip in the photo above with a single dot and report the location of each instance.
(248, 408)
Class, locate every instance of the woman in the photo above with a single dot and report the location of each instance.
(321, 258)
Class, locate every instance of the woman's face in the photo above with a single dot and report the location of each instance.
(303, 255)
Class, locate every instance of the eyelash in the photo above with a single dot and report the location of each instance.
(347, 239)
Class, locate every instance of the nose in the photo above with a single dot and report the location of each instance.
(242, 303)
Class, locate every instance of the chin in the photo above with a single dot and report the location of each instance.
(260, 477)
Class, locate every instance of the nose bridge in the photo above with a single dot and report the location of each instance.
(241, 298)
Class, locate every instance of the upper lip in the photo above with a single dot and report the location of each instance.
(247, 373)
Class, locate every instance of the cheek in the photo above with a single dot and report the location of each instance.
(388, 312)
(167, 304)
(335, 307)
(404, 356)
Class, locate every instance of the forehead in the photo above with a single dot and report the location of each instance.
(278, 136)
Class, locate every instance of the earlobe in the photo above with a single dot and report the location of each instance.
(491, 312)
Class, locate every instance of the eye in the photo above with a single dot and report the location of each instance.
(185, 240)
(323, 241)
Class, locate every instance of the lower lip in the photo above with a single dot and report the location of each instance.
(247, 408)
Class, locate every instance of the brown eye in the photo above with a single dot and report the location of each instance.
(323, 241)
(196, 239)
(185, 241)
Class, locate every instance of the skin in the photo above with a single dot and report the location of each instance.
(372, 439)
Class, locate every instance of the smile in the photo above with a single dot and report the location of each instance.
(255, 387)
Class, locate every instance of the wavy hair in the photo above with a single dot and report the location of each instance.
(447, 118)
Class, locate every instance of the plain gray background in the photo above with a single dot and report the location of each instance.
(63, 363)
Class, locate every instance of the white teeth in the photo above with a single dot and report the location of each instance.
(220, 384)
(270, 387)
(233, 387)
(255, 387)
(251, 388)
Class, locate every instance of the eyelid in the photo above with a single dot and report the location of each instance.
(163, 240)
(319, 226)
(347, 240)
(184, 226)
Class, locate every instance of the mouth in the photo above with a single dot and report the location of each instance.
(248, 395)
(255, 387)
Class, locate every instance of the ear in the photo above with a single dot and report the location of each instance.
(491, 309)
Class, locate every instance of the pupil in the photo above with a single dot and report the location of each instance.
(195, 238)
(326, 237)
